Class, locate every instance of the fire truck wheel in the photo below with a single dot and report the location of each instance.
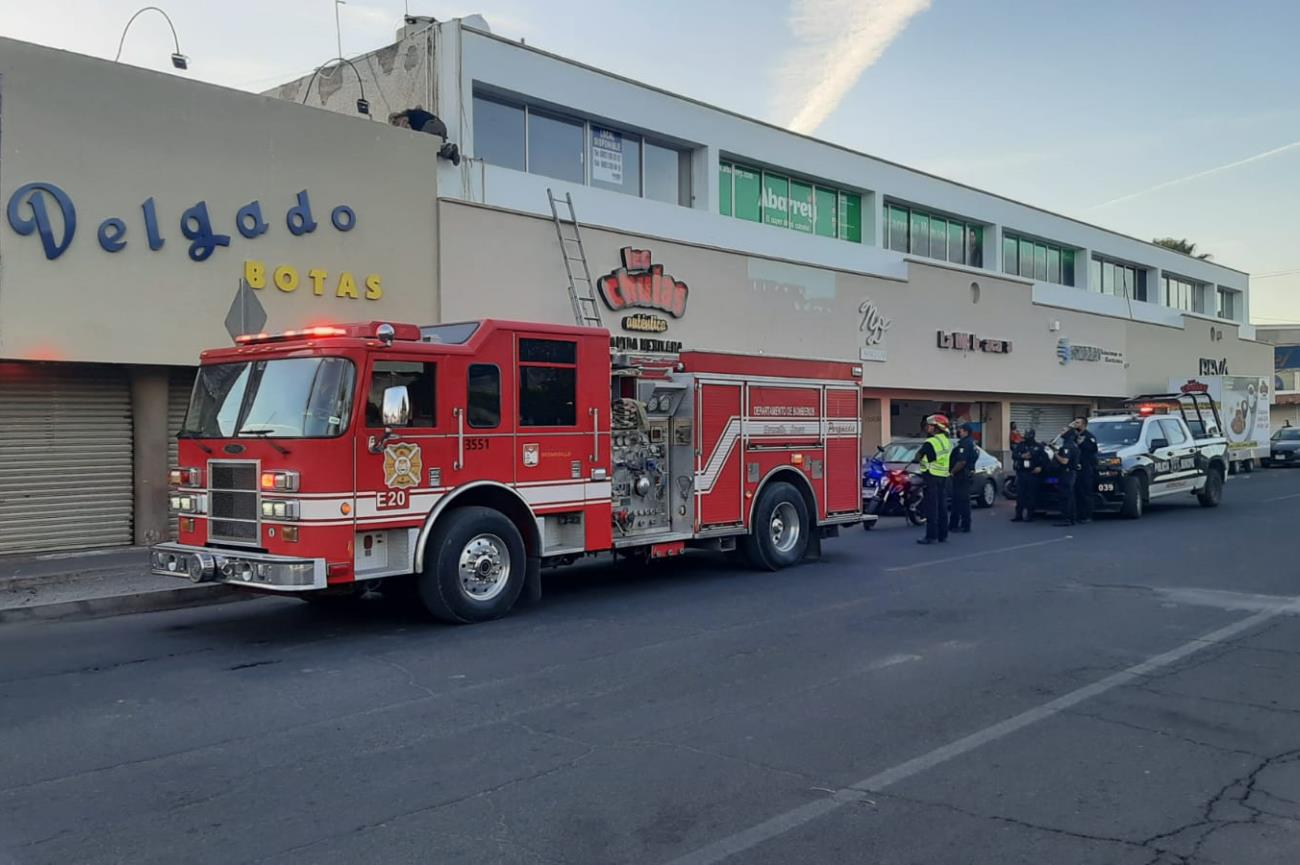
(473, 567)
(779, 535)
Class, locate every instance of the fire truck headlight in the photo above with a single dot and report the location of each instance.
(190, 503)
(280, 509)
(280, 482)
(186, 477)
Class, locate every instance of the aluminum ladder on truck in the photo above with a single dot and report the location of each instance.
(582, 291)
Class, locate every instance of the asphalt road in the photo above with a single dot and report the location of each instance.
(1124, 692)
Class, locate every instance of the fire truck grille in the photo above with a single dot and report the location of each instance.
(233, 500)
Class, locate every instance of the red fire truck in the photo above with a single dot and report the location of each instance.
(455, 460)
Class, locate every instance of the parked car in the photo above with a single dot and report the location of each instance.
(1284, 448)
(901, 453)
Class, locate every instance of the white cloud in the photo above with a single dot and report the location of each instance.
(835, 42)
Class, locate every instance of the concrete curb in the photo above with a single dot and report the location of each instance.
(120, 605)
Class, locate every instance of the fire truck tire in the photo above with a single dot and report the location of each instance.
(781, 529)
(474, 566)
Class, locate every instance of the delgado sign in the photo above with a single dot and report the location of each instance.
(47, 211)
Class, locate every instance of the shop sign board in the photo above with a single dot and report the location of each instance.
(959, 341)
(606, 156)
(1067, 352)
(873, 326)
(641, 284)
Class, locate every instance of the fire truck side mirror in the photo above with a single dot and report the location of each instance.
(397, 406)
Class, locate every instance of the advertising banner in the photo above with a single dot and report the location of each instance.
(606, 156)
(1242, 402)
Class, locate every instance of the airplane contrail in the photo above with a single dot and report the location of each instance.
(1198, 175)
(835, 42)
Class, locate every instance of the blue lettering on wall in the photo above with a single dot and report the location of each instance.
(343, 218)
(151, 225)
(249, 220)
(34, 195)
(197, 227)
(111, 232)
(299, 216)
(43, 209)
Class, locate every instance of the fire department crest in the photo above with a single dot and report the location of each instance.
(402, 466)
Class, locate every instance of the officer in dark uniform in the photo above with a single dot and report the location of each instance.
(1067, 466)
(962, 466)
(1086, 487)
(1030, 462)
(935, 456)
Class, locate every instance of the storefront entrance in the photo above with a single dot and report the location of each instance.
(908, 415)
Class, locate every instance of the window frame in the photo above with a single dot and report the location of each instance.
(469, 378)
(521, 365)
(432, 365)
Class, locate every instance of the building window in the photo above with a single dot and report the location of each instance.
(420, 388)
(483, 396)
(548, 383)
(1228, 305)
(555, 147)
(933, 236)
(499, 133)
(540, 141)
(1035, 259)
(1184, 294)
(1116, 278)
(787, 202)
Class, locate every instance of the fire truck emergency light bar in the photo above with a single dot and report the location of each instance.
(369, 330)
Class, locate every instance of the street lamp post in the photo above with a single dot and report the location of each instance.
(179, 60)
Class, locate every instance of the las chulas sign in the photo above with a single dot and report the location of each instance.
(47, 211)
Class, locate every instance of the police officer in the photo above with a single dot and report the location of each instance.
(934, 457)
(1067, 465)
(962, 466)
(1030, 461)
(1086, 483)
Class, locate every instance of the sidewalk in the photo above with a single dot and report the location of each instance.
(94, 583)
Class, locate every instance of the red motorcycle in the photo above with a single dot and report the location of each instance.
(899, 492)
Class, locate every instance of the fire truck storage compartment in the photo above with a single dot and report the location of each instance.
(651, 450)
(66, 458)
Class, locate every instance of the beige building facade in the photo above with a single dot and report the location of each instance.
(146, 218)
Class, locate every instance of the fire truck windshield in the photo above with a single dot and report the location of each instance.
(303, 397)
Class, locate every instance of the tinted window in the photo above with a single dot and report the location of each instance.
(663, 174)
(1010, 255)
(1173, 432)
(898, 229)
(1287, 435)
(975, 246)
(499, 133)
(748, 192)
(920, 234)
(483, 400)
(1067, 266)
(1116, 433)
(724, 189)
(956, 249)
(554, 147)
(547, 351)
(1040, 262)
(1027, 259)
(419, 381)
(1053, 264)
(547, 396)
(938, 238)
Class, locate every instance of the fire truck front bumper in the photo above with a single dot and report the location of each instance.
(254, 570)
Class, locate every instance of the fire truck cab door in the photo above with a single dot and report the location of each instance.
(397, 467)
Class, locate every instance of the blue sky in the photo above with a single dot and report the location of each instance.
(1067, 105)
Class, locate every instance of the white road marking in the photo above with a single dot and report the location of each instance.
(977, 555)
(1225, 600)
(893, 661)
(773, 827)
(1283, 498)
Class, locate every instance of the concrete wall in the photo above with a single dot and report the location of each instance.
(113, 137)
(756, 305)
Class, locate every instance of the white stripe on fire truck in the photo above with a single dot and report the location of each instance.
(763, 428)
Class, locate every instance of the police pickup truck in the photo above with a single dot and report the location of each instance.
(1159, 445)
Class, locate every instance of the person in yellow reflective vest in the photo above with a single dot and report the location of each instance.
(934, 458)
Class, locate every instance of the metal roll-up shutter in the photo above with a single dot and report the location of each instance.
(66, 478)
(1047, 419)
(179, 385)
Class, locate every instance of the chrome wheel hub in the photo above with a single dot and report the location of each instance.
(784, 527)
(484, 567)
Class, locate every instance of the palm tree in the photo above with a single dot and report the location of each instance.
(1183, 245)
